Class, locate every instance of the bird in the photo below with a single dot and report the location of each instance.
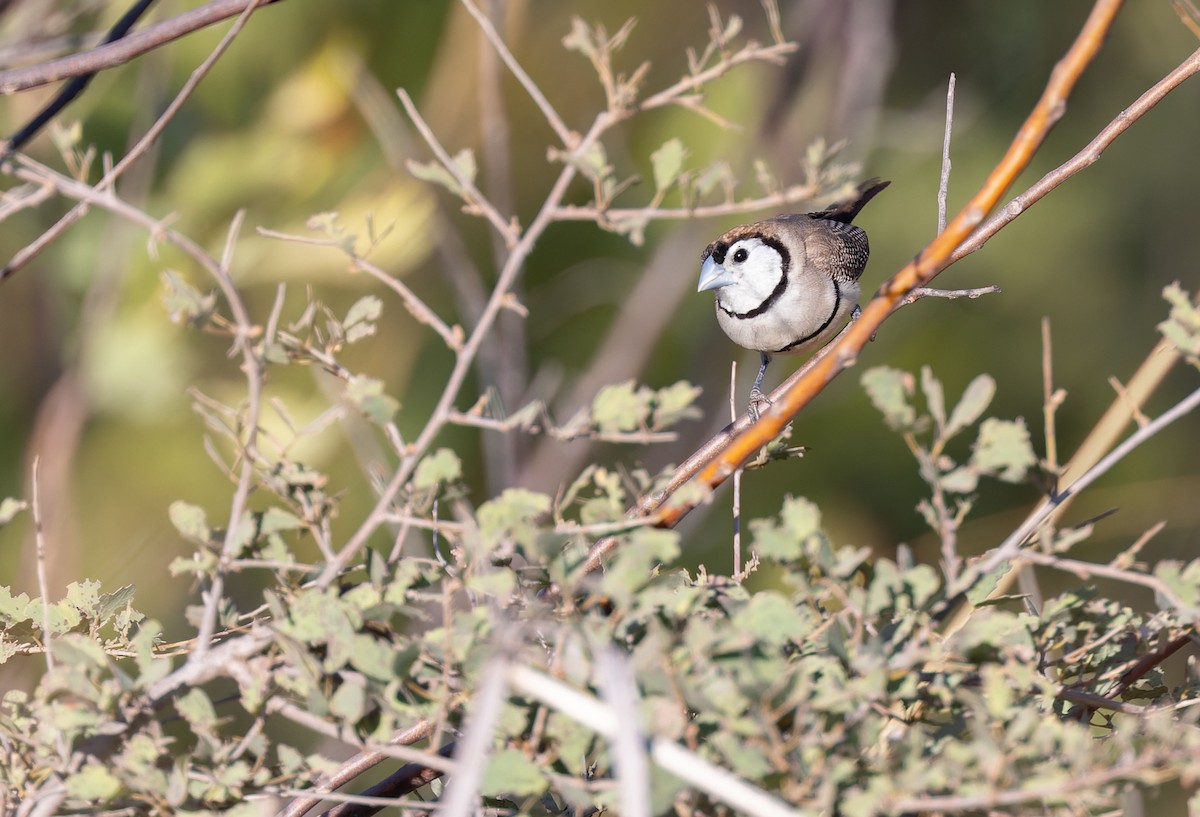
(788, 284)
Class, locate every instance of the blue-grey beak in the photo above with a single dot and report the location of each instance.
(713, 275)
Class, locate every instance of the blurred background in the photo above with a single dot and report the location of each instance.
(300, 118)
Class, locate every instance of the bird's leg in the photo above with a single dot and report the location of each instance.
(757, 398)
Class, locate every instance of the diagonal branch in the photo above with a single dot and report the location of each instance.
(124, 49)
(718, 459)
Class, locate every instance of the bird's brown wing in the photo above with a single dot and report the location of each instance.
(837, 247)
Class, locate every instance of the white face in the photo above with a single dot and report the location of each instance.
(757, 269)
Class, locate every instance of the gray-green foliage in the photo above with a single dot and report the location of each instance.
(837, 681)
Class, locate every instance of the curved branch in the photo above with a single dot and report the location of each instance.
(124, 49)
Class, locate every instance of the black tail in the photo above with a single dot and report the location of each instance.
(846, 211)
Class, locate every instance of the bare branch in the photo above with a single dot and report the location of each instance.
(471, 193)
(126, 48)
(565, 134)
(1081, 160)
(944, 181)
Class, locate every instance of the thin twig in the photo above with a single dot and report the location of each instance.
(1081, 160)
(565, 134)
(947, 294)
(356, 766)
(39, 541)
(753, 52)
(471, 193)
(1011, 546)
(253, 368)
(1085, 570)
(617, 215)
(737, 479)
(452, 336)
(944, 181)
(124, 49)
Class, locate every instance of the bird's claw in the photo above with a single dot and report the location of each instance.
(758, 403)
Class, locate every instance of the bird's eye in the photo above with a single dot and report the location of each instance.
(740, 255)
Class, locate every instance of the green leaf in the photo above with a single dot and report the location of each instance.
(94, 782)
(1003, 449)
(770, 617)
(366, 393)
(1182, 328)
(890, 390)
(974, 402)
(962, 480)
(184, 302)
(276, 519)
(9, 508)
(719, 173)
(510, 773)
(935, 396)
(636, 560)
(784, 541)
(593, 162)
(191, 521)
(435, 173)
(441, 467)
(196, 708)
(667, 162)
(580, 39)
(348, 702)
(360, 320)
(621, 407)
(512, 515)
(15, 609)
(372, 657)
(675, 403)
(1182, 580)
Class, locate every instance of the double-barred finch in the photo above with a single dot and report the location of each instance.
(788, 284)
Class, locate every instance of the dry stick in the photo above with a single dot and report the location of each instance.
(944, 181)
(474, 198)
(737, 480)
(254, 371)
(508, 275)
(39, 541)
(1100, 440)
(1081, 160)
(1011, 546)
(353, 768)
(124, 49)
(30, 251)
(713, 459)
(947, 530)
(1085, 570)
(565, 135)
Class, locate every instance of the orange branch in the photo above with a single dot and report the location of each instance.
(735, 445)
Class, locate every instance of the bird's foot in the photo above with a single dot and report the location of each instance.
(758, 404)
